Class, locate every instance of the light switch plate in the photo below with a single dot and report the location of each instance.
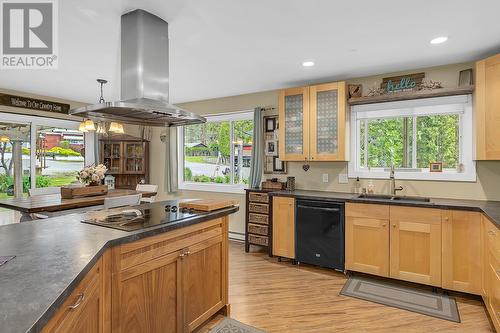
(325, 178)
(343, 178)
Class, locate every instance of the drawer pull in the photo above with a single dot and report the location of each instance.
(79, 301)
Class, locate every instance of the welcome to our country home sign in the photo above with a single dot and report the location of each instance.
(407, 82)
(33, 104)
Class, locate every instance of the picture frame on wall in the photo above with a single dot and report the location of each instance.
(436, 167)
(270, 124)
(278, 165)
(271, 148)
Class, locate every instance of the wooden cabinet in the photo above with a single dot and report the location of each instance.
(416, 245)
(83, 311)
(294, 129)
(491, 247)
(172, 282)
(284, 227)
(313, 121)
(367, 238)
(487, 108)
(127, 159)
(461, 251)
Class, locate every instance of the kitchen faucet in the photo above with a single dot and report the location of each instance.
(394, 189)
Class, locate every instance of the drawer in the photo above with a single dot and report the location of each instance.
(492, 237)
(258, 218)
(132, 254)
(258, 229)
(258, 208)
(371, 211)
(259, 240)
(258, 197)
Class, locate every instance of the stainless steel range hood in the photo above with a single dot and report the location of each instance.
(144, 78)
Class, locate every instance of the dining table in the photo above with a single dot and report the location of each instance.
(55, 203)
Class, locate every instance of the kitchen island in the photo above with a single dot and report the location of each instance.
(107, 276)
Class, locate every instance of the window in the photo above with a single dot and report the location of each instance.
(59, 152)
(410, 135)
(216, 155)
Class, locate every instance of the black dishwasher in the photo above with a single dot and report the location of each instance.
(319, 233)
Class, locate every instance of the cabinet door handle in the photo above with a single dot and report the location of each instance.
(187, 252)
(79, 301)
(383, 224)
(394, 226)
(446, 218)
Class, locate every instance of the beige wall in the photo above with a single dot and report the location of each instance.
(486, 186)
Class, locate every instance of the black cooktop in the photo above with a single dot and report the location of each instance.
(139, 217)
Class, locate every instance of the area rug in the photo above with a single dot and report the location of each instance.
(402, 297)
(229, 325)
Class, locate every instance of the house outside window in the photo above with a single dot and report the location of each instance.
(410, 135)
(216, 156)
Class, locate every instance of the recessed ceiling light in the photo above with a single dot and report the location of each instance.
(439, 40)
(308, 63)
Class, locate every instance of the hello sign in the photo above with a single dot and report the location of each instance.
(402, 83)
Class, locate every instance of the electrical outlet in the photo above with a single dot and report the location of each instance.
(325, 178)
(343, 178)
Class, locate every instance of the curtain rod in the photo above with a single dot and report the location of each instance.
(267, 108)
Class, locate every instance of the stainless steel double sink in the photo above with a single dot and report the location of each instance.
(389, 198)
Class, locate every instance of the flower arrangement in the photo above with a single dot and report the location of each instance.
(92, 175)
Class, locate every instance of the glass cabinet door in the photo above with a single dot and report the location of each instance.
(294, 129)
(328, 122)
(112, 157)
(134, 157)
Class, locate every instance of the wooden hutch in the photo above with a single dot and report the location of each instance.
(127, 159)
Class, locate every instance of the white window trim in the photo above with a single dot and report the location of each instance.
(34, 122)
(465, 145)
(211, 187)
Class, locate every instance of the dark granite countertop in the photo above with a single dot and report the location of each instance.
(52, 257)
(490, 208)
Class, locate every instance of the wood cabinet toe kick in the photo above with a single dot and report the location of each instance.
(168, 283)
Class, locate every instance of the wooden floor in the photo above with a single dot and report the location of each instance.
(281, 297)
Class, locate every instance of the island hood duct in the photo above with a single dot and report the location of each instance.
(144, 78)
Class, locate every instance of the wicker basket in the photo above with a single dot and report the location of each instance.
(258, 218)
(258, 229)
(258, 208)
(259, 240)
(258, 197)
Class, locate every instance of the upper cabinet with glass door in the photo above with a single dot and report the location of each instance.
(314, 123)
(294, 128)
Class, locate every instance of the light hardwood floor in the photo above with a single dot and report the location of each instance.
(281, 297)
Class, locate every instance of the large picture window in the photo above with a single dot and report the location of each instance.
(217, 152)
(410, 135)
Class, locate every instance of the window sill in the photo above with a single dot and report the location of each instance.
(408, 175)
(213, 187)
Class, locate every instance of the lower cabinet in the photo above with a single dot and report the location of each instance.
(491, 247)
(83, 311)
(168, 283)
(367, 238)
(284, 227)
(416, 245)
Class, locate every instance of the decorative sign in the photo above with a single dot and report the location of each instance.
(34, 104)
(402, 83)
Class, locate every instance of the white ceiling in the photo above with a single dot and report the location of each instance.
(229, 47)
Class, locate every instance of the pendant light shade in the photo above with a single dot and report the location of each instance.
(116, 128)
(82, 127)
(101, 128)
(4, 138)
(89, 125)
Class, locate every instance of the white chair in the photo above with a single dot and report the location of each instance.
(147, 188)
(127, 200)
(33, 192)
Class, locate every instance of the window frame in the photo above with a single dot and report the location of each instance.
(213, 187)
(34, 122)
(466, 139)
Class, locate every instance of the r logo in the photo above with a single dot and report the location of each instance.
(27, 28)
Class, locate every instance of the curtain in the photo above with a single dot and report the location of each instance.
(257, 149)
(171, 163)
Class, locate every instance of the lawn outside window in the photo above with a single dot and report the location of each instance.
(410, 135)
(216, 156)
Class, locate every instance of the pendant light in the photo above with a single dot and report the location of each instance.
(4, 138)
(82, 127)
(89, 125)
(116, 127)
